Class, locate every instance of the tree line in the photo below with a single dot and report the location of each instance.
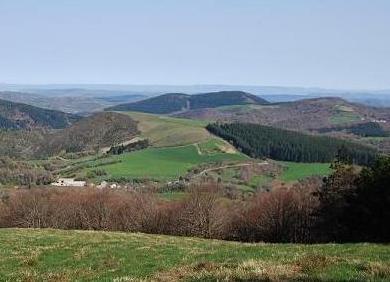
(368, 129)
(126, 148)
(261, 141)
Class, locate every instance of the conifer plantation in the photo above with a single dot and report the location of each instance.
(261, 141)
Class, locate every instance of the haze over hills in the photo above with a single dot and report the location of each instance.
(176, 102)
(78, 102)
(372, 97)
(23, 116)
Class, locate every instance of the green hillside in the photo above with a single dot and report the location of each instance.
(54, 255)
(296, 171)
(163, 131)
(176, 102)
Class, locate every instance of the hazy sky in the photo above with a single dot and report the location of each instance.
(325, 43)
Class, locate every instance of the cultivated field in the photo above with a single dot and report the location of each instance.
(167, 163)
(54, 255)
(344, 114)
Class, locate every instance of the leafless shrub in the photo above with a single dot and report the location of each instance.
(283, 215)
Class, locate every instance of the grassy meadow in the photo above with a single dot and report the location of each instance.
(296, 171)
(166, 163)
(55, 255)
(164, 131)
(344, 114)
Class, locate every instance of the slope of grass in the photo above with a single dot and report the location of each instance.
(165, 131)
(296, 171)
(165, 163)
(344, 114)
(53, 255)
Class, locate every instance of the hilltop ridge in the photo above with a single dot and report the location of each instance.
(176, 102)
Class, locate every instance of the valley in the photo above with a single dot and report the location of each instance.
(182, 152)
(180, 146)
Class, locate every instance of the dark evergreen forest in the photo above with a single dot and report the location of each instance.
(261, 141)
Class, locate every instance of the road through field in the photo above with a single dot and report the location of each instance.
(203, 172)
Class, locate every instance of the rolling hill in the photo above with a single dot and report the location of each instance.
(89, 133)
(327, 116)
(164, 131)
(178, 102)
(181, 146)
(308, 114)
(92, 133)
(22, 116)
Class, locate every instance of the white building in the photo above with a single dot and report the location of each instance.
(69, 182)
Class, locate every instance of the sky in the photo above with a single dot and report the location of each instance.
(341, 44)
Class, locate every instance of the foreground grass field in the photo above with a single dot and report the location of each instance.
(44, 255)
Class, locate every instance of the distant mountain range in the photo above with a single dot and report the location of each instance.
(379, 98)
(22, 116)
(179, 102)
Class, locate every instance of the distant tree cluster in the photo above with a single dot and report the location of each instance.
(264, 141)
(21, 144)
(6, 123)
(224, 98)
(134, 146)
(23, 173)
(368, 129)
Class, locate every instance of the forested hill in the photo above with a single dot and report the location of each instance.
(91, 133)
(22, 116)
(280, 144)
(176, 102)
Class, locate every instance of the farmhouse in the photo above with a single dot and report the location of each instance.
(69, 182)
